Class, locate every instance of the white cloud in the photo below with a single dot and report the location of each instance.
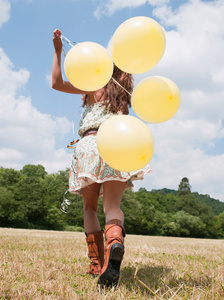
(48, 79)
(4, 11)
(205, 172)
(197, 41)
(183, 149)
(10, 79)
(109, 7)
(58, 160)
(26, 134)
(189, 144)
(218, 76)
(15, 157)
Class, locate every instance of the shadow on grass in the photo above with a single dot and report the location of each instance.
(161, 279)
(151, 276)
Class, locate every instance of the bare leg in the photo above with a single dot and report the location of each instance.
(114, 233)
(94, 235)
(112, 195)
(90, 205)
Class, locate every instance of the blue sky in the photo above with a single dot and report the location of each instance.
(37, 122)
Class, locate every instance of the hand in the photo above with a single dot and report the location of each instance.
(57, 40)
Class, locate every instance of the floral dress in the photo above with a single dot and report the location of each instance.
(87, 165)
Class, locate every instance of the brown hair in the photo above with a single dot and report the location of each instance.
(118, 98)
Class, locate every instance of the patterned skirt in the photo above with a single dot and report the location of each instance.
(88, 167)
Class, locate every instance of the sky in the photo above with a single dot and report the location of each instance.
(37, 122)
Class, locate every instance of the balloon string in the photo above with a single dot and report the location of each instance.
(94, 98)
(121, 86)
(65, 204)
(64, 39)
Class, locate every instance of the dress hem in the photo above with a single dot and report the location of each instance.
(85, 180)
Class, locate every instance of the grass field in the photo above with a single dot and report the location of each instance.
(52, 265)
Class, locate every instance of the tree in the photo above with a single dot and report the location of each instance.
(55, 219)
(184, 187)
(216, 205)
(31, 198)
(219, 225)
(11, 213)
(9, 177)
(30, 194)
(185, 225)
(34, 171)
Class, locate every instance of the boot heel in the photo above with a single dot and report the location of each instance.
(117, 252)
(110, 276)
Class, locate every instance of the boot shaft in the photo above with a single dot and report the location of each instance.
(114, 231)
(95, 244)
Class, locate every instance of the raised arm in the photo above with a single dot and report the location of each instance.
(57, 81)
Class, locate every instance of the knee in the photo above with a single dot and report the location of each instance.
(90, 208)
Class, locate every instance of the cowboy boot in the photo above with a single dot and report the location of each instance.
(113, 253)
(95, 252)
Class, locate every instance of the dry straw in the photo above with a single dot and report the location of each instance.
(52, 265)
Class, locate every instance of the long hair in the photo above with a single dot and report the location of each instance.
(118, 98)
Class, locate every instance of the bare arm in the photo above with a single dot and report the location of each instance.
(57, 81)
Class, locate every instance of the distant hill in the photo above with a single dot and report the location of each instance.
(216, 205)
(165, 191)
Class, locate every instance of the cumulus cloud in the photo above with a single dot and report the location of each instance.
(187, 145)
(26, 134)
(197, 40)
(4, 11)
(109, 7)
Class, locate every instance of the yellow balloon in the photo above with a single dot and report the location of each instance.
(125, 143)
(138, 44)
(155, 99)
(88, 66)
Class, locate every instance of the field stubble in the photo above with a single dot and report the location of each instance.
(52, 265)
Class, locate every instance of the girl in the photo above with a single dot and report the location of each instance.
(91, 177)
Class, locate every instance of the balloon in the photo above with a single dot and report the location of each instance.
(88, 66)
(138, 44)
(155, 99)
(125, 143)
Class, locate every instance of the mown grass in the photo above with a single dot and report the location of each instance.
(52, 265)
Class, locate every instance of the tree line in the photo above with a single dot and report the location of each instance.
(31, 198)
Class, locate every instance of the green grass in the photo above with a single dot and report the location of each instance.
(52, 265)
